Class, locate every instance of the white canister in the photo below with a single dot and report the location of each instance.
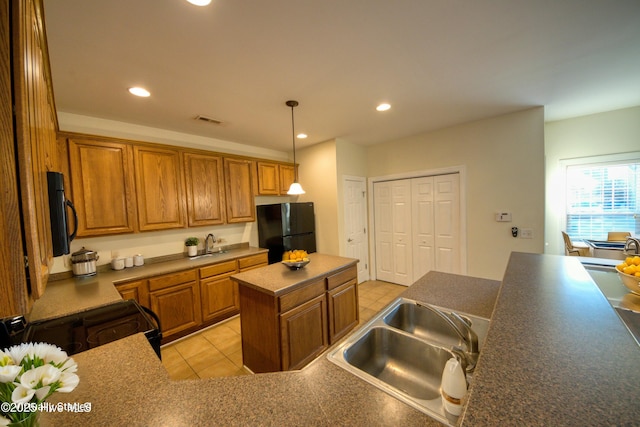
(453, 387)
(138, 260)
(128, 262)
(117, 263)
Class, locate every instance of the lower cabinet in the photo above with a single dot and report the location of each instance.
(175, 298)
(288, 331)
(189, 300)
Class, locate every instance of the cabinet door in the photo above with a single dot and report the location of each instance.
(253, 261)
(178, 308)
(343, 310)
(268, 178)
(239, 190)
(287, 174)
(303, 333)
(103, 186)
(160, 188)
(204, 178)
(136, 290)
(219, 298)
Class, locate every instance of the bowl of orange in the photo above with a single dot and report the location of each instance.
(629, 273)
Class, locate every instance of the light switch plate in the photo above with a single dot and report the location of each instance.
(526, 233)
(503, 217)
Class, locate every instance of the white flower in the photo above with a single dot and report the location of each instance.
(49, 353)
(22, 394)
(6, 359)
(42, 375)
(9, 373)
(68, 381)
(18, 352)
(69, 366)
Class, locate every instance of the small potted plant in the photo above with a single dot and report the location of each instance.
(192, 245)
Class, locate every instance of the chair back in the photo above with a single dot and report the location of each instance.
(568, 245)
(618, 236)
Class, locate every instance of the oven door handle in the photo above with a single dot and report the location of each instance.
(152, 314)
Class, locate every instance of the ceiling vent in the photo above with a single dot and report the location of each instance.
(208, 120)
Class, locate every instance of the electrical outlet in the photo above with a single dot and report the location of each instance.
(526, 233)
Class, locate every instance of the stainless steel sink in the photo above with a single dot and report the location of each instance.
(210, 254)
(403, 351)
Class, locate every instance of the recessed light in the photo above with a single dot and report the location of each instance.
(301, 136)
(139, 91)
(199, 2)
(383, 107)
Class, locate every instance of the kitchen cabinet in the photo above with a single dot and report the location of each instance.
(175, 298)
(204, 178)
(303, 328)
(274, 178)
(238, 174)
(290, 317)
(219, 294)
(103, 187)
(28, 148)
(160, 188)
(253, 261)
(342, 301)
(136, 290)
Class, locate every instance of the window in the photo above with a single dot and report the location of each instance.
(602, 196)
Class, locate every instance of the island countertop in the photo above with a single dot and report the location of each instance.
(556, 354)
(276, 279)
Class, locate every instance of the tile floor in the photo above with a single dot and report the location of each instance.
(217, 350)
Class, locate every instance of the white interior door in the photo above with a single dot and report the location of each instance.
(355, 219)
(447, 223)
(402, 239)
(383, 225)
(423, 224)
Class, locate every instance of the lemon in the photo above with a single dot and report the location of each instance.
(630, 269)
(636, 260)
(628, 260)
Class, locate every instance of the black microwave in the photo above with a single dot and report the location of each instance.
(58, 204)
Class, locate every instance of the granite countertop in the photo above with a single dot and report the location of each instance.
(555, 354)
(277, 278)
(77, 294)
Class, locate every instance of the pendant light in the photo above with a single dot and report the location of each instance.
(296, 188)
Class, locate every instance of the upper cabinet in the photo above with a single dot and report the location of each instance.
(28, 148)
(102, 181)
(160, 188)
(239, 190)
(204, 177)
(274, 179)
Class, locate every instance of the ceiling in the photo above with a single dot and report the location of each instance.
(437, 62)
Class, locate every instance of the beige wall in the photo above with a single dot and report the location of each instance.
(504, 161)
(613, 132)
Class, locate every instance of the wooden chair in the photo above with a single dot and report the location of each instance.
(575, 249)
(618, 236)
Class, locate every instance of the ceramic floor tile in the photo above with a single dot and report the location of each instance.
(181, 371)
(170, 356)
(192, 346)
(222, 368)
(236, 358)
(234, 324)
(204, 359)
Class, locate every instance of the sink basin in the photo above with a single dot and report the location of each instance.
(412, 366)
(210, 254)
(403, 351)
(426, 324)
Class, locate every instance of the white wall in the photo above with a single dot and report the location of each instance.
(504, 160)
(612, 132)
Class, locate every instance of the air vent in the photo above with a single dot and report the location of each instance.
(208, 120)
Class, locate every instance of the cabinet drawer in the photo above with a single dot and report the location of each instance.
(172, 279)
(341, 277)
(217, 269)
(252, 260)
(297, 297)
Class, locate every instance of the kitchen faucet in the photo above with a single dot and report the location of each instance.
(463, 329)
(209, 248)
(631, 241)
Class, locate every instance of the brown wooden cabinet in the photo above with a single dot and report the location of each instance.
(204, 178)
(253, 261)
(274, 178)
(219, 294)
(238, 175)
(160, 188)
(303, 333)
(289, 330)
(136, 290)
(29, 125)
(102, 179)
(175, 298)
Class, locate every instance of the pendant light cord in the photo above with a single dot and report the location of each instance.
(293, 104)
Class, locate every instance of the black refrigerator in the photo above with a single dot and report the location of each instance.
(286, 226)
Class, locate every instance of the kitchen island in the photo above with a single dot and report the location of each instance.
(555, 354)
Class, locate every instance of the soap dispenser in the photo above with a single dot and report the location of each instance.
(453, 387)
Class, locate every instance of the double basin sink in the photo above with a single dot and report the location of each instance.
(404, 348)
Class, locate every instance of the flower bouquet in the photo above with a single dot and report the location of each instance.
(29, 374)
